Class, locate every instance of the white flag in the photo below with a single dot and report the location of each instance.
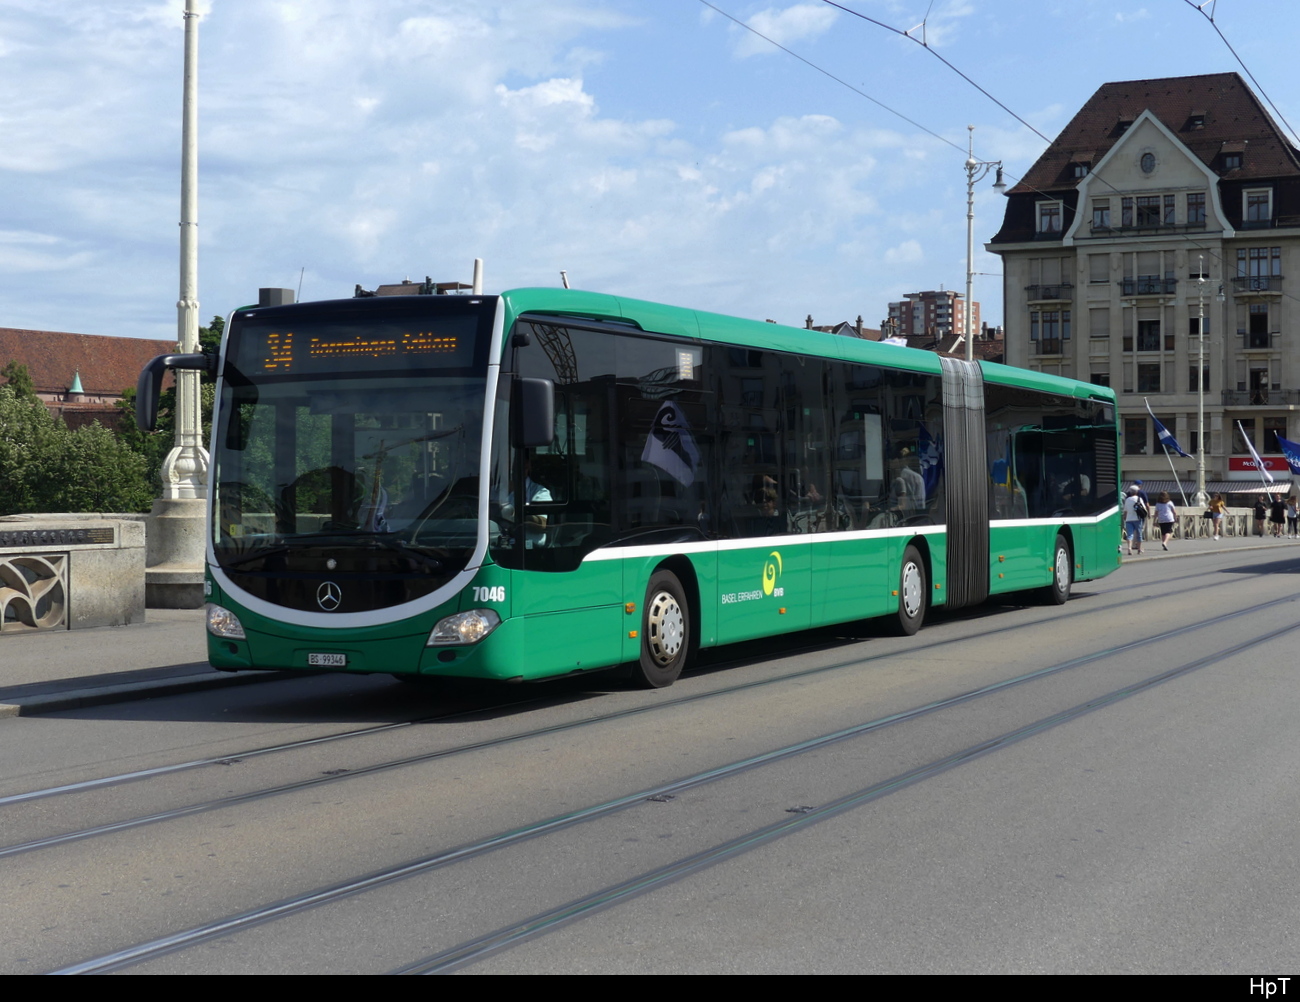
(1259, 463)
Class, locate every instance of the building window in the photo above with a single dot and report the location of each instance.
(1273, 427)
(1231, 161)
(1135, 436)
(1148, 335)
(1191, 327)
(1148, 162)
(1126, 211)
(1196, 207)
(1191, 379)
(1098, 268)
(1099, 322)
(1049, 217)
(1050, 328)
(1257, 326)
(1078, 170)
(1101, 379)
(1149, 378)
(1259, 262)
(1257, 211)
(1148, 210)
(1244, 424)
(1101, 214)
(1169, 210)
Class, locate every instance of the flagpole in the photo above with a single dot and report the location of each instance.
(1161, 428)
(1202, 498)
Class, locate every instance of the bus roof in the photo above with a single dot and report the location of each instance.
(699, 325)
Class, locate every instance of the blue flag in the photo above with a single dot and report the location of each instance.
(1165, 436)
(1292, 452)
(1167, 439)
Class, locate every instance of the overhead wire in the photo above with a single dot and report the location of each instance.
(828, 73)
(1200, 9)
(926, 45)
(1020, 180)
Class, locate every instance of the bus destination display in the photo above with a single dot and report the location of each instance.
(312, 348)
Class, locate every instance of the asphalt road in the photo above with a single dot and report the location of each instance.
(836, 801)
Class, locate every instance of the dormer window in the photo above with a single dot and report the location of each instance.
(1049, 217)
(1257, 208)
(1231, 161)
(1196, 120)
(1078, 170)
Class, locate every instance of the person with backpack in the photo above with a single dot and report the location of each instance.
(1135, 513)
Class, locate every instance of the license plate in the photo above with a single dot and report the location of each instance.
(328, 660)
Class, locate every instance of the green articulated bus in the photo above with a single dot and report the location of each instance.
(549, 481)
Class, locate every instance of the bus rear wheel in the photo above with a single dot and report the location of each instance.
(1058, 592)
(665, 632)
(913, 590)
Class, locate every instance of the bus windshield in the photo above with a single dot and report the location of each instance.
(349, 451)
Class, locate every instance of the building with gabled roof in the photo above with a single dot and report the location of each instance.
(80, 377)
(1162, 202)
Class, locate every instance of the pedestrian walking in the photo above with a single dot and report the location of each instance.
(1261, 510)
(1218, 508)
(1277, 516)
(1135, 513)
(1166, 516)
(1292, 518)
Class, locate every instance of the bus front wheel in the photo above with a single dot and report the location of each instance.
(913, 590)
(665, 632)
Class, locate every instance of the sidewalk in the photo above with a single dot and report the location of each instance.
(47, 672)
(68, 669)
(1200, 546)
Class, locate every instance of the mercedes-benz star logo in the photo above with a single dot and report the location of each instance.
(328, 596)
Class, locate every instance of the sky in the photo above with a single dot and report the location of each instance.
(649, 148)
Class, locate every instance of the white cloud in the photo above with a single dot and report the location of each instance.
(793, 24)
(908, 252)
(1141, 14)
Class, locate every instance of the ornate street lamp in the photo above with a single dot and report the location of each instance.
(976, 170)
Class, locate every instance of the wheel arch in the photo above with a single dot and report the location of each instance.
(684, 570)
(1067, 533)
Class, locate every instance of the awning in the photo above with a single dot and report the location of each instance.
(1154, 487)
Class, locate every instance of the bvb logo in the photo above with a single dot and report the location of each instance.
(771, 571)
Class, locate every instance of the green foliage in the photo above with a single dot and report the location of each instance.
(18, 377)
(45, 466)
(155, 445)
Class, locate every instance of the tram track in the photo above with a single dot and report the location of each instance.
(332, 777)
(538, 925)
(551, 919)
(720, 666)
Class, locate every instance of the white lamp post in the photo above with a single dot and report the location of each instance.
(177, 525)
(976, 170)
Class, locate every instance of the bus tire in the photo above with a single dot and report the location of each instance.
(665, 632)
(1058, 592)
(913, 591)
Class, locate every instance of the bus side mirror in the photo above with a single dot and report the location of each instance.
(148, 387)
(533, 412)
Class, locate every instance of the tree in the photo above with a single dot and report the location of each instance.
(155, 445)
(20, 379)
(47, 467)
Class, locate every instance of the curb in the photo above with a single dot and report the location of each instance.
(1166, 554)
(74, 699)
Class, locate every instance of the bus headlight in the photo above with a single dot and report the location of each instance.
(464, 628)
(224, 623)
